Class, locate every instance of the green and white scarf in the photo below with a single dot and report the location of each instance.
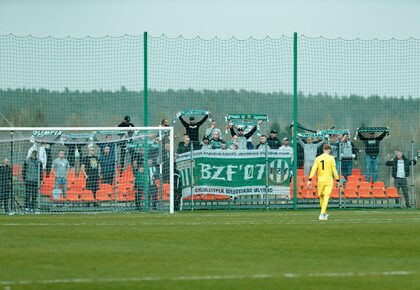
(251, 117)
(192, 113)
(372, 130)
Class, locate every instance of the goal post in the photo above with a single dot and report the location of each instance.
(86, 169)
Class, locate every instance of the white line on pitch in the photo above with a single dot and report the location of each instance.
(203, 278)
(215, 223)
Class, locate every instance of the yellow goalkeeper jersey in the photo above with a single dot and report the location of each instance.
(325, 166)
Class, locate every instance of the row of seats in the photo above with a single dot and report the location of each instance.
(124, 191)
(350, 193)
(355, 171)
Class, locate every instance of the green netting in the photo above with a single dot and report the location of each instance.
(351, 84)
(345, 84)
(223, 76)
(71, 81)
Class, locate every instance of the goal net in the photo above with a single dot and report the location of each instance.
(83, 170)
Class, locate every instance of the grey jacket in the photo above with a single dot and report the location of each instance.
(310, 149)
(32, 170)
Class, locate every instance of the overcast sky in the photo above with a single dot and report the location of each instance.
(388, 68)
(364, 19)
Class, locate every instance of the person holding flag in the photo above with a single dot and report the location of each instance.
(192, 128)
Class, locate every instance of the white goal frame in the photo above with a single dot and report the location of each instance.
(171, 137)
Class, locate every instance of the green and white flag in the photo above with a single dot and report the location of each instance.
(234, 173)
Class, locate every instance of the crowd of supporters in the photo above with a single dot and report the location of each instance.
(344, 151)
(100, 164)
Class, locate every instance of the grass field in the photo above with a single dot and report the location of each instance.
(212, 250)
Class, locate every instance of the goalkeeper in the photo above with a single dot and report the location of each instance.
(325, 167)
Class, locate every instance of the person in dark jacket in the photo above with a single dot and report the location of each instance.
(32, 176)
(372, 153)
(5, 184)
(192, 129)
(107, 162)
(272, 141)
(400, 171)
(123, 144)
(185, 145)
(139, 181)
(71, 154)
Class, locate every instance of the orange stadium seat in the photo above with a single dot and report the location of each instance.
(166, 191)
(355, 171)
(379, 184)
(73, 195)
(222, 197)
(350, 192)
(392, 192)
(47, 186)
(353, 178)
(87, 195)
(352, 184)
(105, 192)
(378, 193)
(308, 193)
(335, 192)
(364, 190)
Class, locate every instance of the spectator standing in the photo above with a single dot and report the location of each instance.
(285, 148)
(243, 138)
(48, 147)
(74, 152)
(123, 144)
(263, 145)
(164, 135)
(166, 162)
(6, 176)
(235, 143)
(107, 162)
(206, 144)
(91, 170)
(185, 145)
(400, 171)
(61, 168)
(193, 129)
(334, 144)
(272, 141)
(108, 143)
(310, 151)
(41, 153)
(372, 153)
(151, 177)
(215, 142)
(32, 176)
(348, 153)
(139, 181)
(209, 131)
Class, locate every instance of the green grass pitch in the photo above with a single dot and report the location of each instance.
(212, 250)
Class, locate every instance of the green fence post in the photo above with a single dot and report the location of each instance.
(145, 122)
(145, 104)
(295, 116)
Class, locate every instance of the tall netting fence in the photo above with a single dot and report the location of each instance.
(71, 82)
(227, 95)
(362, 98)
(83, 170)
(234, 105)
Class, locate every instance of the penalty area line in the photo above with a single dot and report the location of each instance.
(203, 278)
